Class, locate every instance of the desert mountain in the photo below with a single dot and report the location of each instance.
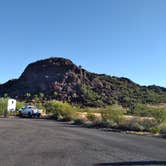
(61, 79)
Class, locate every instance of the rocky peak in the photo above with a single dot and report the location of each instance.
(48, 76)
(48, 69)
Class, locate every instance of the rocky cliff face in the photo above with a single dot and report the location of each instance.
(61, 79)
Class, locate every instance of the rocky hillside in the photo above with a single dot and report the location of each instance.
(61, 79)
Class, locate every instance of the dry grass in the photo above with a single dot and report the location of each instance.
(160, 106)
(83, 115)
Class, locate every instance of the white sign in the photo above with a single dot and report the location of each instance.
(11, 105)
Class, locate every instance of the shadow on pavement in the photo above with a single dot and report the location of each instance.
(134, 163)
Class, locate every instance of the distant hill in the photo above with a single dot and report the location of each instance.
(61, 79)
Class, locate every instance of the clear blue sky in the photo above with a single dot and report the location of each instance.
(117, 37)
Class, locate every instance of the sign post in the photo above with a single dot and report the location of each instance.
(11, 107)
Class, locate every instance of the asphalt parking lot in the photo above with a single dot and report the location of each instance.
(38, 142)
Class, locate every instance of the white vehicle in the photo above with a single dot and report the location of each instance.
(30, 111)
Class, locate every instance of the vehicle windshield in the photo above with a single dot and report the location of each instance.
(31, 107)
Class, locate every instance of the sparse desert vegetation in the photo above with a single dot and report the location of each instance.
(142, 117)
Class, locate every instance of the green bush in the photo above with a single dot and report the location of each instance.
(60, 110)
(91, 117)
(149, 124)
(146, 111)
(112, 115)
(19, 105)
(155, 130)
(131, 125)
(41, 106)
(3, 105)
(93, 120)
(135, 125)
(160, 115)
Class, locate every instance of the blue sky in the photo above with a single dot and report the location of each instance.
(116, 37)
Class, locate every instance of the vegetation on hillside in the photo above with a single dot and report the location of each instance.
(60, 79)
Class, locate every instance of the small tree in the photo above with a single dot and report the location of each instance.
(112, 115)
(60, 110)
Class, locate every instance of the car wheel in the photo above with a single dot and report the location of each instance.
(29, 115)
(38, 115)
(20, 114)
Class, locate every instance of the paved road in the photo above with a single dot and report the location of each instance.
(31, 142)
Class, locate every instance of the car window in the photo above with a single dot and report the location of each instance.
(31, 107)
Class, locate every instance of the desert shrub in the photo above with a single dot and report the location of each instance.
(93, 121)
(160, 115)
(138, 124)
(155, 130)
(163, 129)
(60, 110)
(148, 124)
(141, 110)
(41, 106)
(133, 125)
(146, 111)
(3, 105)
(19, 105)
(112, 115)
(79, 121)
(91, 117)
